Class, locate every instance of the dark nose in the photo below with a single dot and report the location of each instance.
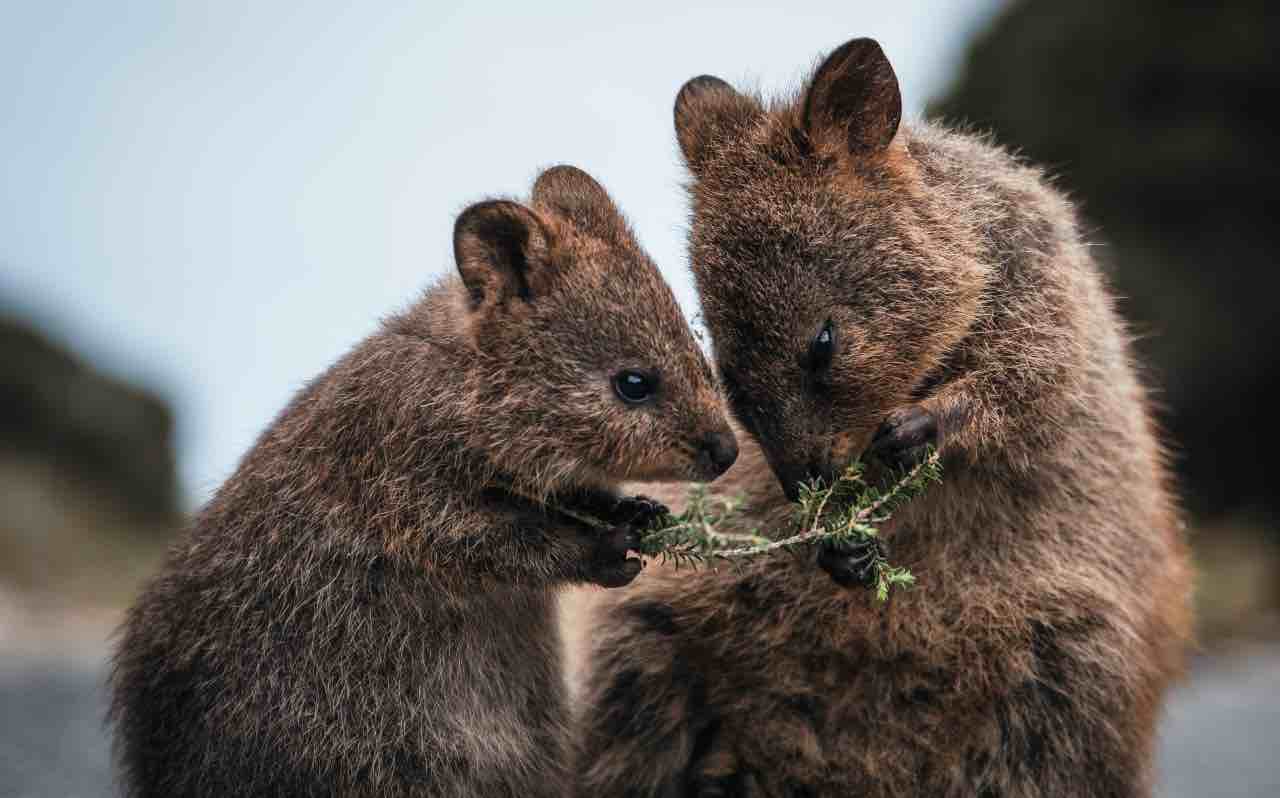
(717, 451)
(794, 476)
(791, 487)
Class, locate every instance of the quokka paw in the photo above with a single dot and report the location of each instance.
(637, 511)
(610, 564)
(852, 564)
(904, 438)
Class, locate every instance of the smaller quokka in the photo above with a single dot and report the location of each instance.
(366, 606)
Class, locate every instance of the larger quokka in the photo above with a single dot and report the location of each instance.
(366, 607)
(871, 288)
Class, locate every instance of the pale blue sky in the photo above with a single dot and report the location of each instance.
(217, 199)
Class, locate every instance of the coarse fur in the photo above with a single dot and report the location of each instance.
(1052, 606)
(365, 608)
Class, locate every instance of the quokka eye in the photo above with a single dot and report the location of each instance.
(822, 348)
(634, 386)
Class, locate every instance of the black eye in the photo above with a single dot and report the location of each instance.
(822, 348)
(634, 387)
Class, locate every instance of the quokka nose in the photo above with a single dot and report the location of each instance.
(720, 450)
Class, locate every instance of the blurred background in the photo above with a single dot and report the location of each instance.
(203, 205)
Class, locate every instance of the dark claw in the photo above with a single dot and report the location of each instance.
(620, 575)
(852, 564)
(610, 565)
(637, 511)
(617, 541)
(905, 437)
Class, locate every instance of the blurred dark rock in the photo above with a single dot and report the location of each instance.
(1156, 116)
(93, 430)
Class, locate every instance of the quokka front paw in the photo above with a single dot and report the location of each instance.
(852, 564)
(610, 564)
(637, 511)
(904, 438)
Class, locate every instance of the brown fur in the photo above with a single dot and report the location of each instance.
(365, 607)
(1051, 611)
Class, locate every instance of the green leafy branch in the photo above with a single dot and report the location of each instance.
(847, 511)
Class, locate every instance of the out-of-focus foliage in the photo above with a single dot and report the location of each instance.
(87, 425)
(1157, 117)
(88, 488)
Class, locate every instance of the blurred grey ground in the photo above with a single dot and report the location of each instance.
(1221, 734)
(52, 741)
(1221, 731)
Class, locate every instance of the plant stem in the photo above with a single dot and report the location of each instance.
(817, 532)
(691, 537)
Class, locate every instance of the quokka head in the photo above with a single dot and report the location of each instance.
(600, 378)
(831, 281)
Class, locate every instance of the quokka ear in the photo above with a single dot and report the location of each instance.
(501, 249)
(706, 108)
(855, 92)
(576, 195)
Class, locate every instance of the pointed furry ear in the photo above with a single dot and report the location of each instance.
(705, 107)
(575, 194)
(501, 251)
(855, 91)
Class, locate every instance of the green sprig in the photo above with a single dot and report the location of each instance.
(850, 509)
